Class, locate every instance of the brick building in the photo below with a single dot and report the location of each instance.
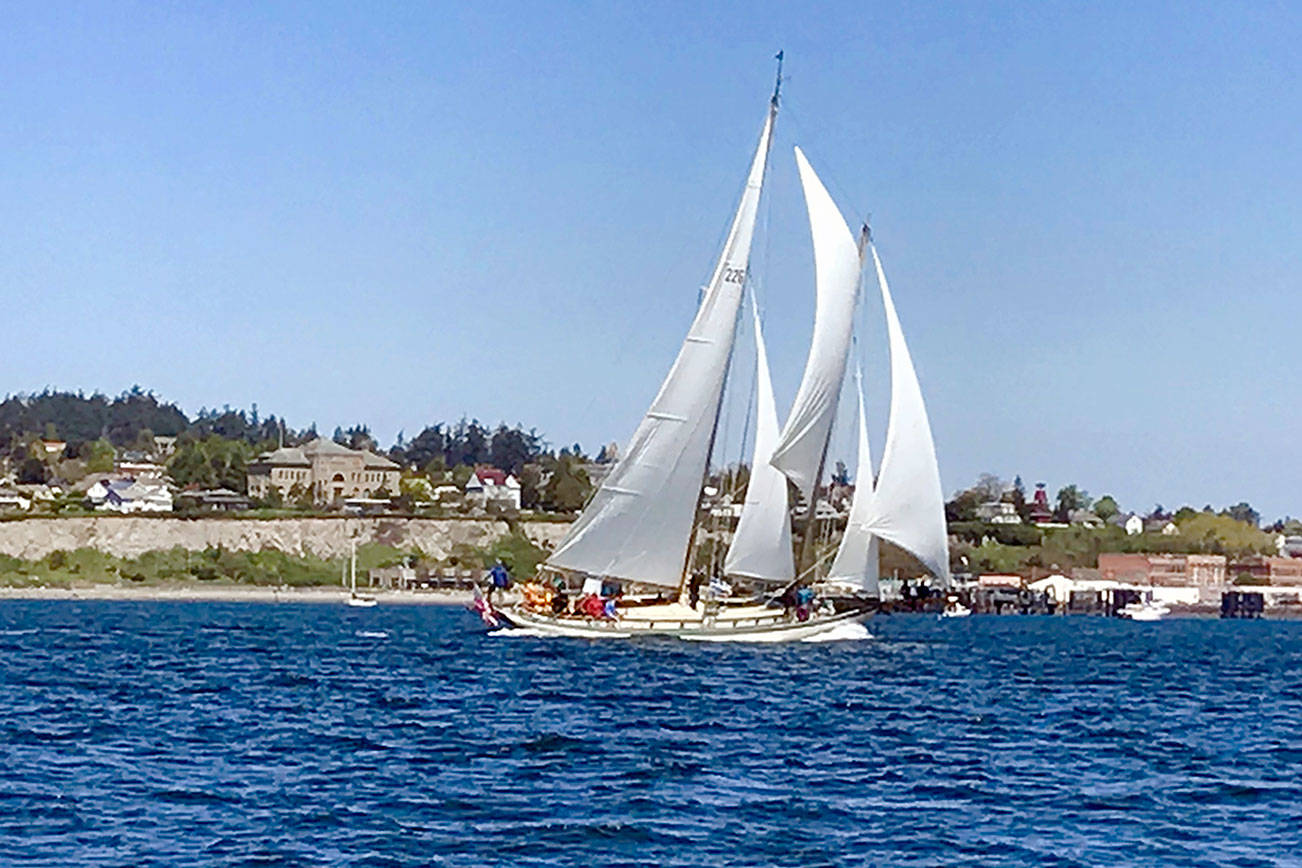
(1207, 573)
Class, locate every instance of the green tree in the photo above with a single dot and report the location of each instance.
(1106, 507)
(1244, 513)
(568, 488)
(213, 462)
(461, 475)
(31, 471)
(963, 506)
(1223, 534)
(100, 457)
(531, 477)
(1070, 498)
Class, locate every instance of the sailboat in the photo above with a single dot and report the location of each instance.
(634, 544)
(354, 598)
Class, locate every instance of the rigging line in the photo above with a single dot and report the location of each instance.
(813, 153)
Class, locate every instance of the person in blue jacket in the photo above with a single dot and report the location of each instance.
(500, 579)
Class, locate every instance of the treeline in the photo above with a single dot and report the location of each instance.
(214, 448)
(132, 418)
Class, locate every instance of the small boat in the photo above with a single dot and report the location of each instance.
(634, 563)
(1147, 610)
(355, 599)
(955, 609)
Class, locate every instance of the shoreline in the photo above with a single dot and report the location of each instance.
(231, 594)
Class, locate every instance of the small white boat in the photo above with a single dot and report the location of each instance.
(355, 599)
(955, 609)
(1144, 611)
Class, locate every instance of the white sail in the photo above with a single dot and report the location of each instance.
(856, 558)
(761, 547)
(907, 506)
(638, 525)
(800, 449)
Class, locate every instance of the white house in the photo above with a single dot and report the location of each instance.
(1164, 526)
(998, 512)
(127, 496)
(13, 500)
(1133, 524)
(1084, 518)
(488, 485)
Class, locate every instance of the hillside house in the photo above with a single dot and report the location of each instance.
(12, 501)
(130, 496)
(1084, 518)
(1129, 521)
(491, 486)
(998, 512)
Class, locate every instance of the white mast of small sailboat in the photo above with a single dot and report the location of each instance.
(761, 545)
(639, 525)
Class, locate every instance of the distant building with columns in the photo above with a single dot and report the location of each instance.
(331, 472)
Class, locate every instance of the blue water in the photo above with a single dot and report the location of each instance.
(247, 734)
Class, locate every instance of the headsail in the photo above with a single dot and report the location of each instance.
(638, 525)
(761, 547)
(856, 558)
(908, 508)
(803, 441)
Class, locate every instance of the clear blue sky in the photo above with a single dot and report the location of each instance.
(359, 212)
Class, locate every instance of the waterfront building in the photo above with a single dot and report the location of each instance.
(1203, 576)
(1269, 570)
(330, 472)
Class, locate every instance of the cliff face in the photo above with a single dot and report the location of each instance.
(130, 536)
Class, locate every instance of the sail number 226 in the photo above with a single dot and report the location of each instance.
(734, 275)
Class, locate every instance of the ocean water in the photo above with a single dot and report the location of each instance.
(280, 734)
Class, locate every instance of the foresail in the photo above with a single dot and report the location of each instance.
(908, 508)
(638, 524)
(761, 546)
(856, 558)
(800, 448)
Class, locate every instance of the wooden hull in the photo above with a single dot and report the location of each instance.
(741, 623)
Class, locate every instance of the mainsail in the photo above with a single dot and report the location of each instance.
(638, 525)
(856, 558)
(801, 446)
(907, 506)
(761, 546)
